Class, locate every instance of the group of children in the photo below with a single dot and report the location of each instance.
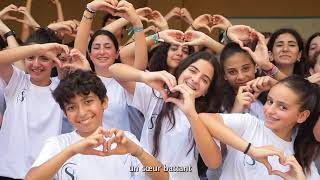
(165, 106)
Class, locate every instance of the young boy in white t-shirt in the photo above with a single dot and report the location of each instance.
(82, 97)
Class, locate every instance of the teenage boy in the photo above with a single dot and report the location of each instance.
(82, 97)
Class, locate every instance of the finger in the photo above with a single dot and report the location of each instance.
(249, 96)
(119, 135)
(12, 18)
(191, 43)
(279, 173)
(109, 143)
(246, 101)
(268, 166)
(241, 90)
(175, 101)
(95, 152)
(57, 61)
(143, 19)
(295, 166)
(186, 88)
(255, 85)
(247, 49)
(169, 79)
(113, 2)
(276, 152)
(164, 94)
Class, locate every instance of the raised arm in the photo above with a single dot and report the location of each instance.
(127, 76)
(81, 41)
(205, 144)
(59, 10)
(170, 36)
(122, 22)
(127, 11)
(197, 38)
(261, 57)
(25, 28)
(9, 56)
(5, 68)
(28, 19)
(219, 130)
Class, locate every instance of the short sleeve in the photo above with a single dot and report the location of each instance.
(143, 98)
(17, 81)
(239, 123)
(49, 150)
(314, 175)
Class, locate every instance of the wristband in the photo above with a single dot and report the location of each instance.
(10, 33)
(89, 10)
(156, 38)
(133, 30)
(193, 28)
(271, 72)
(88, 17)
(225, 38)
(247, 149)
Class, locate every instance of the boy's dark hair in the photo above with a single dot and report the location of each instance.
(78, 82)
(42, 36)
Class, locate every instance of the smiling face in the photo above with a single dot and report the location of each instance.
(282, 111)
(238, 70)
(85, 113)
(103, 52)
(285, 50)
(39, 68)
(176, 54)
(314, 46)
(198, 76)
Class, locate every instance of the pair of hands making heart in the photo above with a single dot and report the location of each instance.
(166, 84)
(106, 139)
(122, 9)
(54, 51)
(249, 93)
(188, 38)
(211, 22)
(6, 14)
(262, 153)
(181, 13)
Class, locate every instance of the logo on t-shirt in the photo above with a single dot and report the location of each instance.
(152, 121)
(68, 171)
(21, 97)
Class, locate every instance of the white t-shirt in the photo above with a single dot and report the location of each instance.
(116, 115)
(238, 166)
(2, 101)
(88, 166)
(32, 115)
(176, 148)
(256, 109)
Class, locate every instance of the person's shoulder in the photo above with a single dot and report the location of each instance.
(314, 174)
(64, 140)
(131, 136)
